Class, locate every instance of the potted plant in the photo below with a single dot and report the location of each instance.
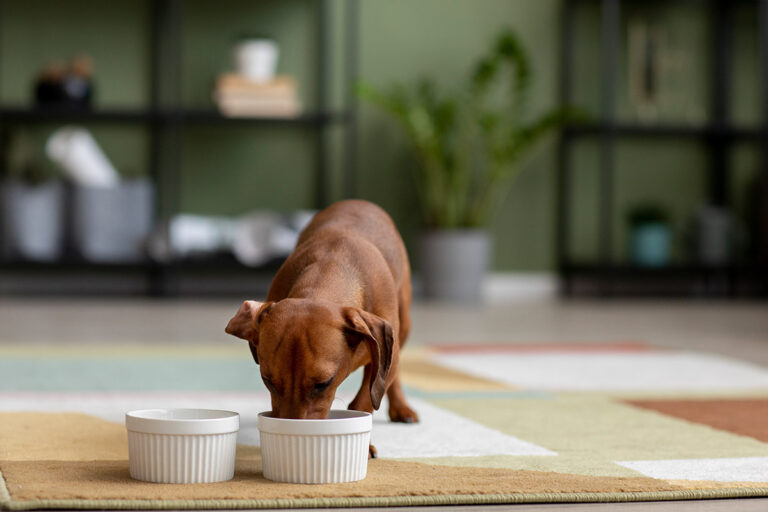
(32, 204)
(649, 236)
(468, 148)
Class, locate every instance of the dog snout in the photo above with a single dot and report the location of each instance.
(299, 412)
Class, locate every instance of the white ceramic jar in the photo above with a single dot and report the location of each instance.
(182, 446)
(333, 450)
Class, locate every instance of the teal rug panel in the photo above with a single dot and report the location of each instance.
(139, 374)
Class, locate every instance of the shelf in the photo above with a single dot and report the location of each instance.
(213, 116)
(679, 280)
(71, 265)
(629, 269)
(222, 262)
(217, 262)
(165, 123)
(716, 134)
(53, 115)
(197, 116)
(662, 130)
(214, 275)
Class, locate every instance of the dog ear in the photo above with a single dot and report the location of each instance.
(379, 337)
(245, 323)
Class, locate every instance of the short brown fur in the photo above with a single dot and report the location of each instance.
(340, 301)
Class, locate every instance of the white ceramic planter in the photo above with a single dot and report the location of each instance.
(454, 263)
(182, 446)
(334, 450)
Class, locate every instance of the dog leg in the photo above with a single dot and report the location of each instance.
(362, 401)
(404, 310)
(399, 410)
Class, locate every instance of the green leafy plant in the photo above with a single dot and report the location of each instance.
(468, 145)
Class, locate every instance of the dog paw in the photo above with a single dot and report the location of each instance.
(403, 414)
(372, 452)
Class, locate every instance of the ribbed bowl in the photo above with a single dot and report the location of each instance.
(182, 446)
(327, 451)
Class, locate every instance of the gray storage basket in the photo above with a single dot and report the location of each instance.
(33, 226)
(112, 224)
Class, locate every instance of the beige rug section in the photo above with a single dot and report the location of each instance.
(32, 436)
(69, 460)
(99, 480)
(418, 372)
(54, 456)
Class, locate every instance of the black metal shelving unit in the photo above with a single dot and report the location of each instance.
(166, 118)
(19, 116)
(606, 276)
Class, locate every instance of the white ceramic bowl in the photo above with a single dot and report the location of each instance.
(316, 451)
(182, 446)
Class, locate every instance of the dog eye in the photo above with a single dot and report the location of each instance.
(322, 386)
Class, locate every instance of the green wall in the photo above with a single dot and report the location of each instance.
(231, 169)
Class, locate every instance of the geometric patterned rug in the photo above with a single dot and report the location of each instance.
(499, 424)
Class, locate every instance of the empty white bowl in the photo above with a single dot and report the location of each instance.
(182, 446)
(326, 451)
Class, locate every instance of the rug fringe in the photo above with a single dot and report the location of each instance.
(7, 503)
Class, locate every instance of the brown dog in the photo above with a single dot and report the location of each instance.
(340, 301)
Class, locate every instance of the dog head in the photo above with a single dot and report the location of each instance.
(306, 348)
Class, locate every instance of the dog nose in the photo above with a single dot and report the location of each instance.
(300, 412)
(317, 415)
(291, 413)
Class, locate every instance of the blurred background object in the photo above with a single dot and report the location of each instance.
(643, 68)
(254, 239)
(679, 125)
(111, 224)
(238, 95)
(254, 90)
(206, 115)
(32, 203)
(65, 86)
(256, 58)
(714, 236)
(650, 236)
(81, 158)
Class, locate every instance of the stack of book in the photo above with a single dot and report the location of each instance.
(237, 96)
